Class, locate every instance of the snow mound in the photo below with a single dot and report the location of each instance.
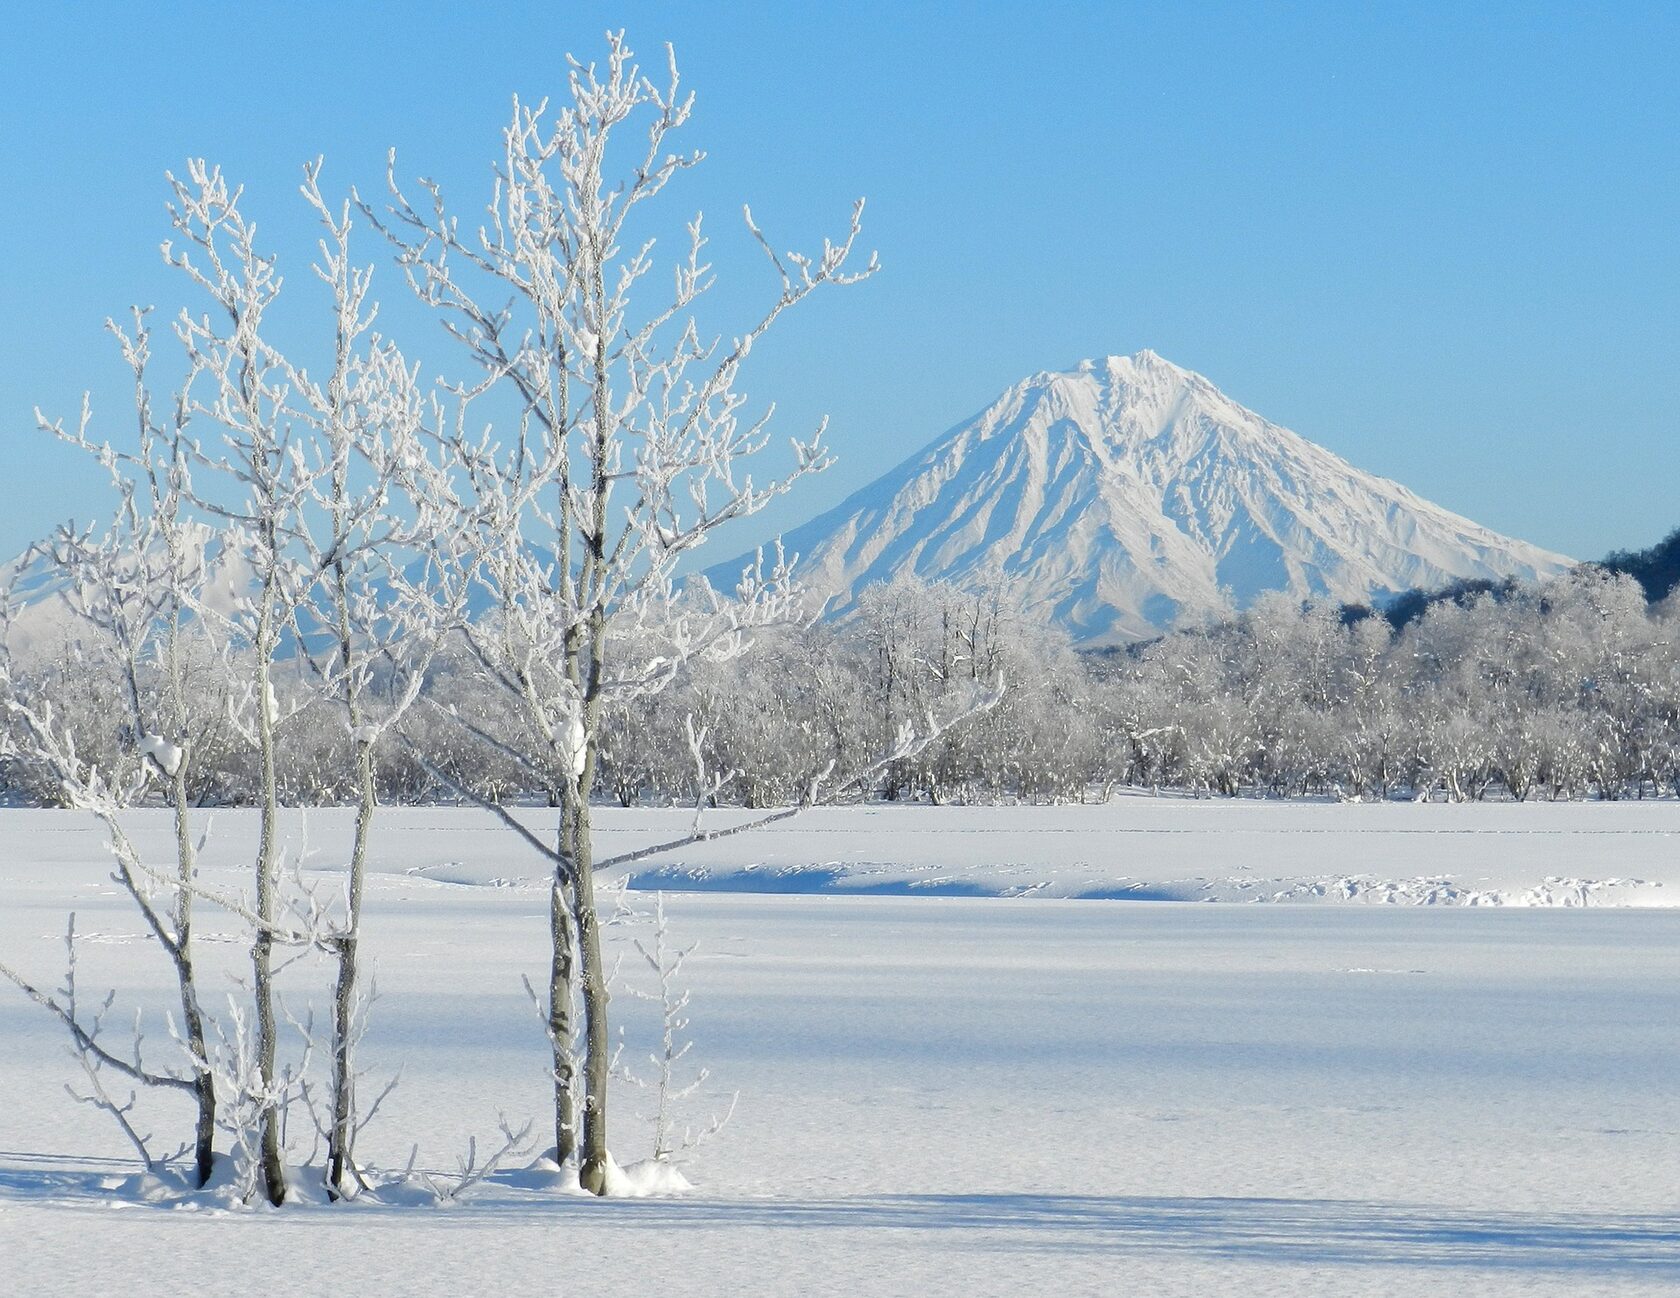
(165, 754)
(1440, 891)
(651, 1178)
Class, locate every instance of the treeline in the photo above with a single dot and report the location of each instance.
(1657, 570)
(1566, 689)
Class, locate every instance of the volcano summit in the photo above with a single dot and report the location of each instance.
(1126, 496)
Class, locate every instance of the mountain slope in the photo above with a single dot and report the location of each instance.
(1129, 495)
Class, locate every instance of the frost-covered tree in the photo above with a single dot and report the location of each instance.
(132, 594)
(374, 605)
(249, 478)
(633, 447)
(260, 535)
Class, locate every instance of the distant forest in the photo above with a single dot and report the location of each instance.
(1568, 688)
(1657, 570)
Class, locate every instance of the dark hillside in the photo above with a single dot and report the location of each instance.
(1656, 569)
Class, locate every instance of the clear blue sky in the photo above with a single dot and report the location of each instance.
(1441, 239)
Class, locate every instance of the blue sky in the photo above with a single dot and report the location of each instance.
(1442, 240)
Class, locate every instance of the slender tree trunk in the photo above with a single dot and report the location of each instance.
(592, 1168)
(341, 1167)
(592, 1171)
(192, 1018)
(262, 950)
(561, 967)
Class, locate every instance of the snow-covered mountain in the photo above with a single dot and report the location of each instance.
(1130, 495)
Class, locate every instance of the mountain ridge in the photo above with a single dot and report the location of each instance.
(1130, 495)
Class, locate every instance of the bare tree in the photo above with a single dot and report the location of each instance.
(632, 451)
(368, 626)
(135, 589)
(240, 385)
(673, 1079)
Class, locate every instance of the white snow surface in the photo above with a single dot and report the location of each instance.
(1129, 495)
(946, 1094)
(1135, 847)
(165, 754)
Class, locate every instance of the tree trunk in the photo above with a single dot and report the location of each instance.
(262, 950)
(560, 1011)
(592, 1170)
(341, 1166)
(192, 1019)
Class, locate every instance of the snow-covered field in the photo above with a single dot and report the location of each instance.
(954, 1075)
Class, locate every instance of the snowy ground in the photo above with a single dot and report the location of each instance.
(1139, 848)
(969, 1094)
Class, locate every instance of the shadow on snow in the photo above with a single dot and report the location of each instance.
(1309, 1232)
(798, 881)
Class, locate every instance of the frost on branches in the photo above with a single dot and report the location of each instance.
(313, 563)
(632, 447)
